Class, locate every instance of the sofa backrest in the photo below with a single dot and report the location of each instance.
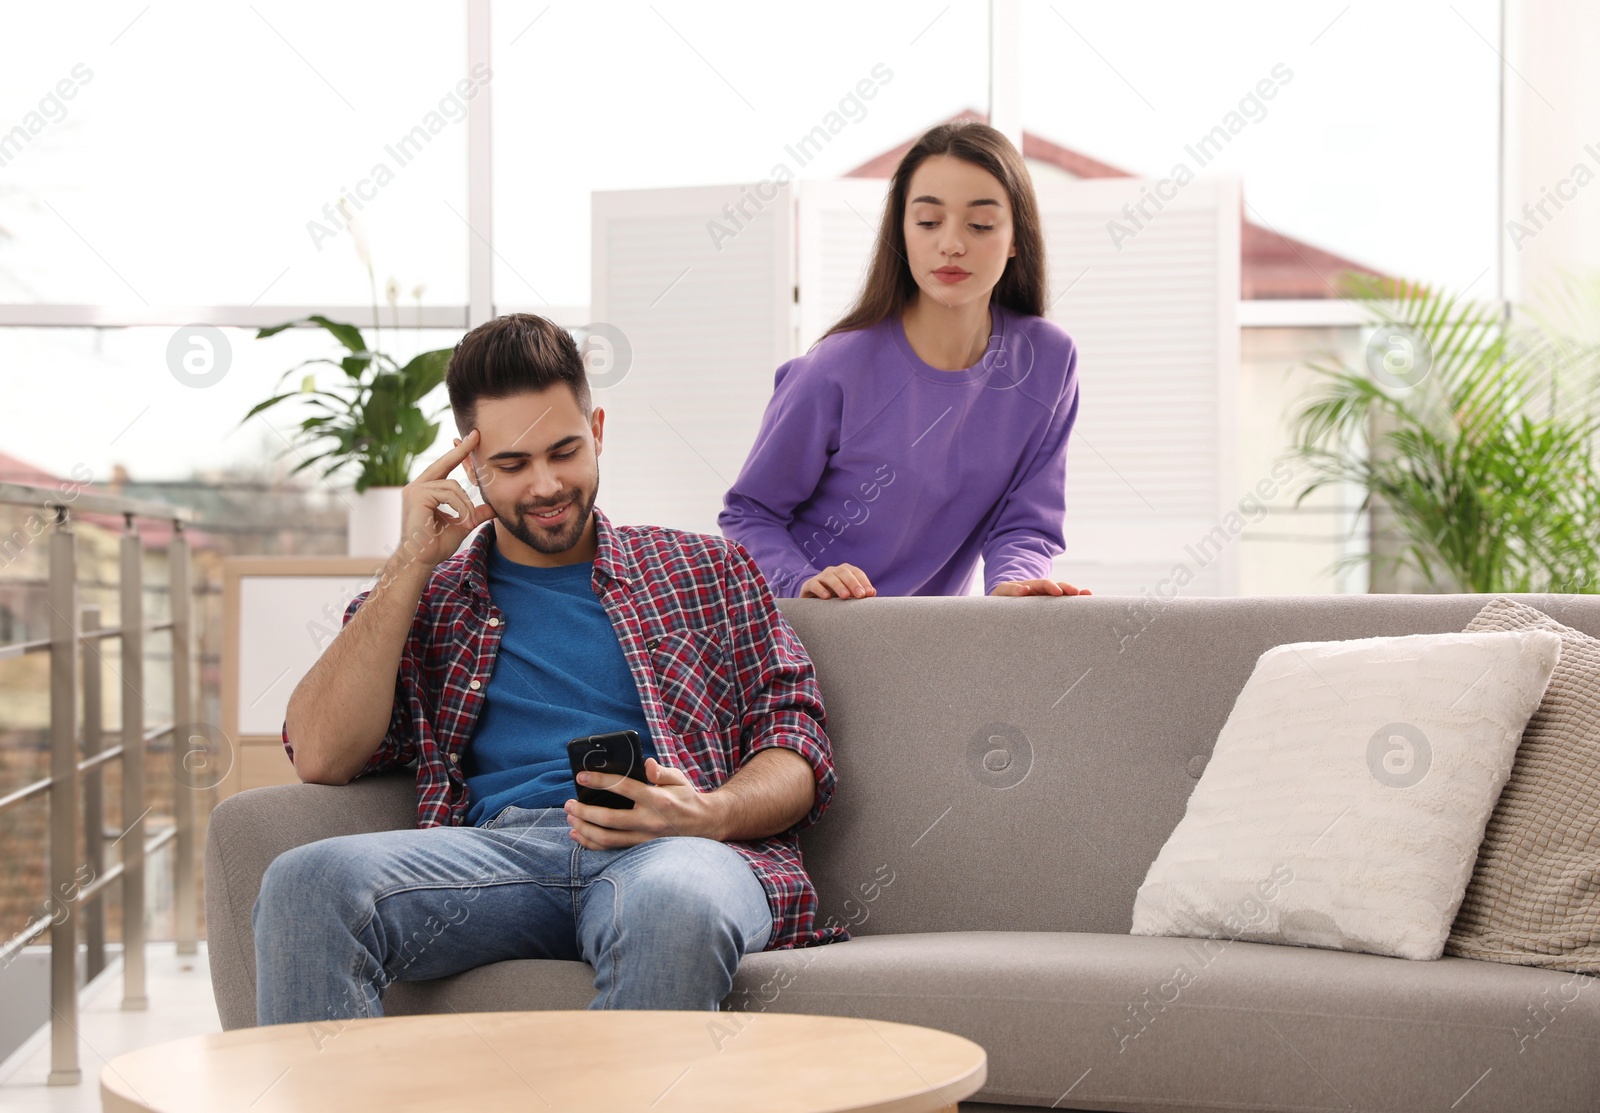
(1016, 764)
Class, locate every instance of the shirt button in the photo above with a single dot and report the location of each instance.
(454, 758)
(494, 622)
(474, 685)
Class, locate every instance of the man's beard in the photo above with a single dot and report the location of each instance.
(525, 528)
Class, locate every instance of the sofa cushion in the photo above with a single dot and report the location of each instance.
(1305, 829)
(497, 987)
(1117, 1022)
(1535, 894)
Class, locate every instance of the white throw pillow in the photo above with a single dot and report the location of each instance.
(1348, 792)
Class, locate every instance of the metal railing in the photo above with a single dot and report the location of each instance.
(76, 682)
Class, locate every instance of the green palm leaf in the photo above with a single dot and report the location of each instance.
(1491, 482)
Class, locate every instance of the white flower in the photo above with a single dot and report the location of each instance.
(358, 235)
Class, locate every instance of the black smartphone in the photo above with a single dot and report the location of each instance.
(618, 753)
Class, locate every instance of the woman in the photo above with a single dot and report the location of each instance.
(928, 428)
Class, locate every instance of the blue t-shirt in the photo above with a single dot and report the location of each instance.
(559, 674)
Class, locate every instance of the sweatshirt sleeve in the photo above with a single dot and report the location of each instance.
(798, 434)
(1027, 534)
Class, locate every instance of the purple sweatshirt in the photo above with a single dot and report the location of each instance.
(869, 456)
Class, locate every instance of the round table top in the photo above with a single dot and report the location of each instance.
(605, 1061)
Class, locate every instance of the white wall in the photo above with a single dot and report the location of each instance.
(1553, 143)
(1291, 551)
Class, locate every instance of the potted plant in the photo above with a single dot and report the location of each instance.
(1477, 436)
(369, 420)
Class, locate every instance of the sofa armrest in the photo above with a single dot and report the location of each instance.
(250, 829)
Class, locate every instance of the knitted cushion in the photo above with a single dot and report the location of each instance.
(1534, 898)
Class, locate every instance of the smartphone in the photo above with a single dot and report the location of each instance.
(618, 753)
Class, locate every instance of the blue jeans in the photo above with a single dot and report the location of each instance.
(663, 923)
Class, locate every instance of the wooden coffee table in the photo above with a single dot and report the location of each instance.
(600, 1061)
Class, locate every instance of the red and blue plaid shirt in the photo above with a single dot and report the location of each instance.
(721, 676)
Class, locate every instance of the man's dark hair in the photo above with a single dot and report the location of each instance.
(509, 355)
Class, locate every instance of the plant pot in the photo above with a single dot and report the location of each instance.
(373, 528)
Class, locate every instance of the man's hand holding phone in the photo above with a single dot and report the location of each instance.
(667, 804)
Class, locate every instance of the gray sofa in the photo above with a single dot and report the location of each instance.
(1009, 768)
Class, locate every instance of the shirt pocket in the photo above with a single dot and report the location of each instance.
(691, 673)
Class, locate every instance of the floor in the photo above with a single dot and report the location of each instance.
(179, 988)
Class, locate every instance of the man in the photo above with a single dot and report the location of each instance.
(482, 664)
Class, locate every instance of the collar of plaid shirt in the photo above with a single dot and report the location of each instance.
(721, 676)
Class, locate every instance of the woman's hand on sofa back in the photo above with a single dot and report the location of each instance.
(1038, 587)
(838, 581)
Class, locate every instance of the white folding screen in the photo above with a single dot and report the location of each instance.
(704, 303)
(837, 229)
(1151, 298)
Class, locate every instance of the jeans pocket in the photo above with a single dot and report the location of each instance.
(514, 816)
(499, 817)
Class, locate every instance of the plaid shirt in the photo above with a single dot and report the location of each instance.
(721, 676)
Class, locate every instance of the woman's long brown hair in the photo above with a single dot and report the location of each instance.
(890, 286)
